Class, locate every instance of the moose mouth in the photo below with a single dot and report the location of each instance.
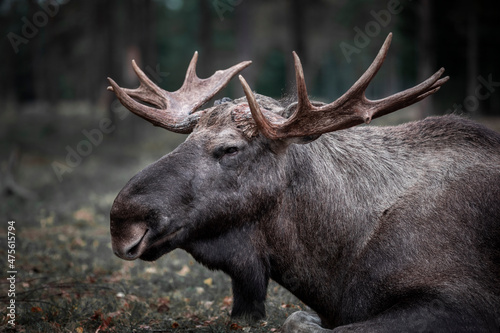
(157, 246)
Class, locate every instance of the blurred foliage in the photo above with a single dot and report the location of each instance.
(78, 44)
(272, 81)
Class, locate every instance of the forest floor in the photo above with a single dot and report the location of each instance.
(67, 278)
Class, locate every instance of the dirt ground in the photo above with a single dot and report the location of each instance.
(67, 278)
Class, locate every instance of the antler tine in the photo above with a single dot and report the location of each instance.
(206, 87)
(362, 83)
(275, 130)
(145, 81)
(302, 98)
(175, 110)
(147, 92)
(262, 122)
(170, 121)
(191, 71)
(409, 96)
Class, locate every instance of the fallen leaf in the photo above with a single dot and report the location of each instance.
(284, 305)
(226, 303)
(132, 298)
(84, 215)
(36, 309)
(97, 315)
(114, 314)
(208, 282)
(163, 300)
(228, 300)
(184, 271)
(235, 327)
(79, 242)
(106, 321)
(47, 221)
(151, 270)
(79, 330)
(163, 308)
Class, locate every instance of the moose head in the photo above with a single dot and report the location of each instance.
(342, 216)
(227, 173)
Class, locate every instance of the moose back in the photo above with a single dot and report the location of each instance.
(376, 229)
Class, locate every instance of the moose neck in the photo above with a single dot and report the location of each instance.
(336, 190)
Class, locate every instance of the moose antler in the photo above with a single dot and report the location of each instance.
(351, 109)
(174, 111)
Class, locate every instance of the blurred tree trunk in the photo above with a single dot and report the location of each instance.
(35, 48)
(91, 60)
(426, 58)
(148, 33)
(244, 16)
(112, 64)
(205, 62)
(472, 49)
(297, 27)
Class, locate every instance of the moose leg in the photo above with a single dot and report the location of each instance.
(433, 316)
(248, 300)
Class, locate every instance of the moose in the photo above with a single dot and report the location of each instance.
(375, 229)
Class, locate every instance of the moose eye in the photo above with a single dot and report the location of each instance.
(225, 151)
(230, 151)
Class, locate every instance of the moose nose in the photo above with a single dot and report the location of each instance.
(132, 247)
(128, 226)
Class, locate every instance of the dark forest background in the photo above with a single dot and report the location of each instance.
(68, 52)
